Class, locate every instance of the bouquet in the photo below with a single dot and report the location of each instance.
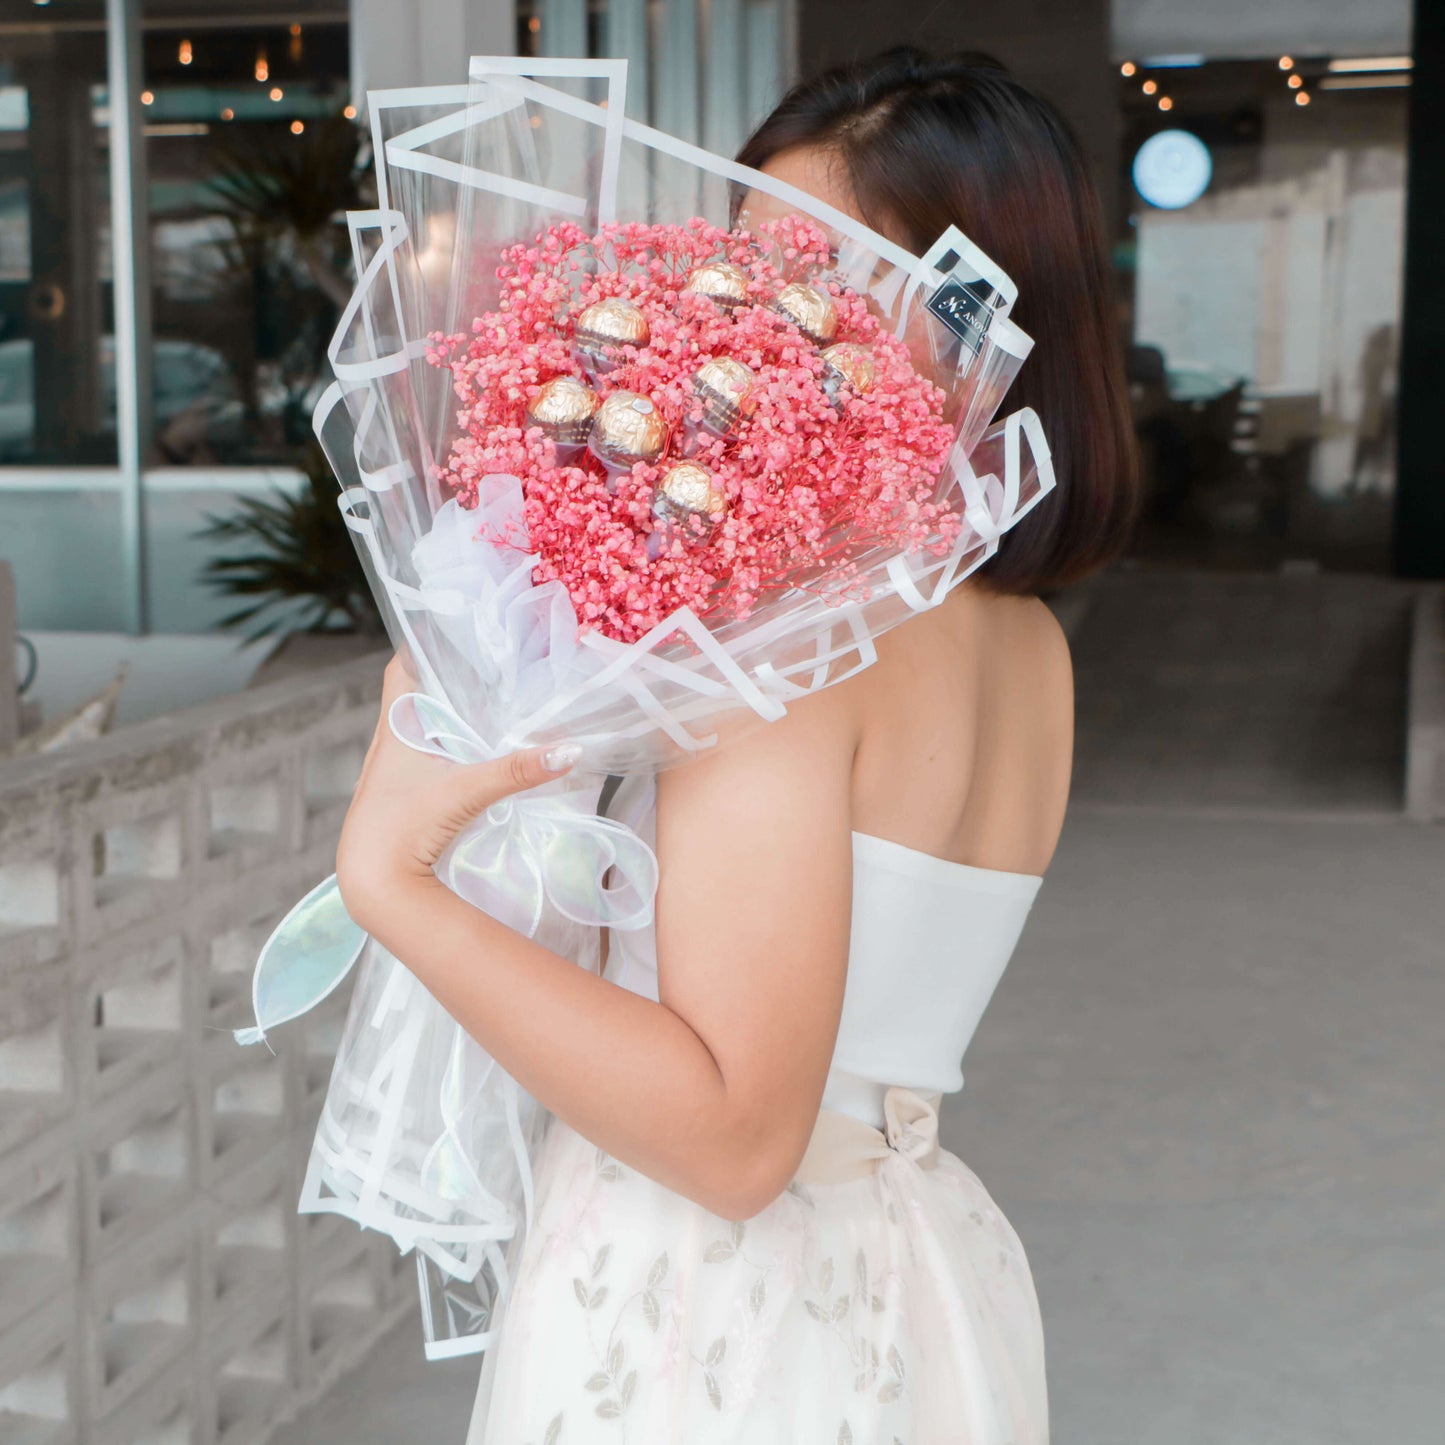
(630, 438)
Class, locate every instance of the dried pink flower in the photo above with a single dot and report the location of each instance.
(815, 476)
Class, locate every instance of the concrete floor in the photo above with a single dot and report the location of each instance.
(1208, 1091)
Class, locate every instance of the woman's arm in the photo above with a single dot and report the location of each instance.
(714, 1089)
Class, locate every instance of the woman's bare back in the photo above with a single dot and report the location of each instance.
(966, 733)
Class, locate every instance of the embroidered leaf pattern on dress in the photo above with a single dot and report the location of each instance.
(636, 1325)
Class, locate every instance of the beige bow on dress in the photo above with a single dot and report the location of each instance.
(844, 1147)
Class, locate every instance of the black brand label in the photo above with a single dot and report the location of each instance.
(965, 311)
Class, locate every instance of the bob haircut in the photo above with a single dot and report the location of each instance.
(925, 144)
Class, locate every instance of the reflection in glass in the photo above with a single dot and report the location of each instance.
(57, 390)
(251, 165)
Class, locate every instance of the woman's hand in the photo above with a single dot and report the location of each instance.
(408, 806)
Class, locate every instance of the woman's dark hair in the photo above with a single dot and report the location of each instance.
(925, 144)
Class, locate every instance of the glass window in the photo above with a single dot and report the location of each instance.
(57, 379)
(1266, 309)
(252, 159)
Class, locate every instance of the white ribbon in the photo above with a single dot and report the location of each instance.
(533, 848)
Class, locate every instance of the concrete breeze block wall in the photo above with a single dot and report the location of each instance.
(157, 1286)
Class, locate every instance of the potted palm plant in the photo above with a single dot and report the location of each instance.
(289, 560)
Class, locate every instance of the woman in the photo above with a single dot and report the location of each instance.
(745, 1229)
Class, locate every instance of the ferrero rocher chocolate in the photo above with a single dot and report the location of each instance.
(628, 428)
(564, 409)
(725, 388)
(688, 490)
(605, 327)
(846, 361)
(720, 281)
(809, 309)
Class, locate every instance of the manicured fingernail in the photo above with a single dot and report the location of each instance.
(562, 757)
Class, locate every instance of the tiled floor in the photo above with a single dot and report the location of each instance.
(1208, 1091)
(1244, 690)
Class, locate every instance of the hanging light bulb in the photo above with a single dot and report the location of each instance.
(1286, 62)
(263, 71)
(1150, 86)
(297, 126)
(228, 114)
(1301, 97)
(350, 112)
(276, 92)
(1127, 69)
(1295, 81)
(147, 97)
(183, 52)
(1165, 103)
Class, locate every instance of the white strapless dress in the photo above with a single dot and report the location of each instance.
(896, 1308)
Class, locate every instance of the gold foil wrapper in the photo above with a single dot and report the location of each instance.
(720, 281)
(688, 490)
(628, 428)
(726, 389)
(605, 327)
(564, 409)
(810, 309)
(846, 361)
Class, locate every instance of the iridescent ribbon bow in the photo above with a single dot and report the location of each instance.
(521, 854)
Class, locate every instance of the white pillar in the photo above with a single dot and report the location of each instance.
(130, 269)
(769, 46)
(563, 27)
(724, 86)
(624, 37)
(424, 42)
(676, 71)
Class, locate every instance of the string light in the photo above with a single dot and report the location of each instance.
(1295, 81)
(350, 112)
(147, 97)
(1301, 97)
(1165, 103)
(1286, 62)
(1127, 69)
(297, 126)
(183, 53)
(263, 71)
(1150, 86)
(276, 92)
(228, 114)
(1373, 62)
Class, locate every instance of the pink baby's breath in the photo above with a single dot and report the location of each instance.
(811, 487)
